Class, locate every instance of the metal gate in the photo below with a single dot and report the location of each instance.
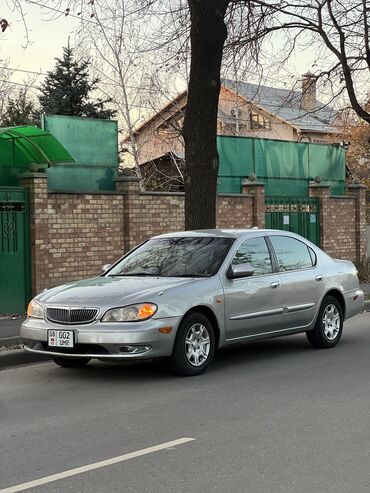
(14, 250)
(297, 214)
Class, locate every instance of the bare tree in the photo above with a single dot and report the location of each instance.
(114, 44)
(337, 30)
(6, 87)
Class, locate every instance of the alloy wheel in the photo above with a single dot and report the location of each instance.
(331, 322)
(197, 344)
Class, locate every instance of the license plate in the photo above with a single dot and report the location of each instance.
(60, 338)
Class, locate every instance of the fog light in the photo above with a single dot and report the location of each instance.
(135, 349)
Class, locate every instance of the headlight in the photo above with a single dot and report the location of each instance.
(35, 310)
(131, 313)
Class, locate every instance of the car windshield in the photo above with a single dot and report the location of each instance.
(175, 257)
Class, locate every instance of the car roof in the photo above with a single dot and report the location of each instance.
(219, 233)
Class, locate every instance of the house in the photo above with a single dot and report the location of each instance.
(245, 109)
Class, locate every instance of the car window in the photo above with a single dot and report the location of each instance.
(291, 254)
(254, 251)
(175, 257)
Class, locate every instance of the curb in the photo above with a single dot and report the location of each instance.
(367, 306)
(14, 357)
(10, 341)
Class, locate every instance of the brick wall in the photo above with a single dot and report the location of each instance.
(38, 195)
(85, 232)
(342, 222)
(73, 235)
(234, 211)
(338, 232)
(152, 213)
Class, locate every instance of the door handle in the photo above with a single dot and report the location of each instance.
(319, 277)
(274, 284)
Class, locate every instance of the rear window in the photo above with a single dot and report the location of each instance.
(291, 254)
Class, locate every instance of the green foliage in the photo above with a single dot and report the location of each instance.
(20, 111)
(66, 90)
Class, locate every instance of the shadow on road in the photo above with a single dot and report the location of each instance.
(293, 351)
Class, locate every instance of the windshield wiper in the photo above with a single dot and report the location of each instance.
(192, 275)
(133, 274)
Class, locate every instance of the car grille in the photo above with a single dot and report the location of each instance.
(71, 315)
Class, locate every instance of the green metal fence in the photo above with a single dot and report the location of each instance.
(284, 167)
(94, 145)
(15, 266)
(297, 214)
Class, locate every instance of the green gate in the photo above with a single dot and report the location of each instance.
(297, 214)
(14, 250)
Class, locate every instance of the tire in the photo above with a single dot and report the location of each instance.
(70, 362)
(329, 325)
(194, 346)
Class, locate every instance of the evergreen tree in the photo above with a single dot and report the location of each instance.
(19, 111)
(66, 90)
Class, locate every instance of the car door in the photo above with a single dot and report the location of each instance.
(253, 305)
(302, 280)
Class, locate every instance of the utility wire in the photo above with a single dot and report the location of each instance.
(68, 14)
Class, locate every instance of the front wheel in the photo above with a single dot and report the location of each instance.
(70, 362)
(194, 346)
(329, 324)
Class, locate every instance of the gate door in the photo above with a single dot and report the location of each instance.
(14, 250)
(297, 214)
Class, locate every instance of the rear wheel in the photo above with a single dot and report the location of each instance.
(70, 362)
(329, 324)
(194, 346)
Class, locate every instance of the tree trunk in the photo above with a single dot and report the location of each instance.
(208, 35)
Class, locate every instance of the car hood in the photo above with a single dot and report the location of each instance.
(110, 291)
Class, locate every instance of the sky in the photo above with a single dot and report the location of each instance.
(46, 39)
(48, 32)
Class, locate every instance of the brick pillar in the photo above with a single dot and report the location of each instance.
(358, 191)
(256, 189)
(130, 187)
(37, 184)
(323, 193)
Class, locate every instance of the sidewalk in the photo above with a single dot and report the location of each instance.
(9, 331)
(11, 354)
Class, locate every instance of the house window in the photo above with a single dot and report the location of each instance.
(258, 121)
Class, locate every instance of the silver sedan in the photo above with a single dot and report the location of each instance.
(184, 295)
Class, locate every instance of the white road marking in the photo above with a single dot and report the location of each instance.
(95, 465)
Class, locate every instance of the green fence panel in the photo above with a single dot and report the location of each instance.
(286, 168)
(280, 159)
(328, 161)
(236, 159)
(94, 145)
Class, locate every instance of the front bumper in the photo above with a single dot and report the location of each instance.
(104, 341)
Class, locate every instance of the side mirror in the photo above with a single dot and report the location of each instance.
(106, 267)
(240, 270)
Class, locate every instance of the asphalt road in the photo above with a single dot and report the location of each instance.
(275, 416)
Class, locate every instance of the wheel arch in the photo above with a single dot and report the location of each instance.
(209, 313)
(339, 297)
